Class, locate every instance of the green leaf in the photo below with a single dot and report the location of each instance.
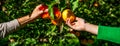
(50, 8)
(75, 5)
(70, 35)
(14, 44)
(50, 39)
(57, 1)
(53, 28)
(15, 36)
(30, 41)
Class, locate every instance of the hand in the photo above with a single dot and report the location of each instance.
(78, 25)
(37, 12)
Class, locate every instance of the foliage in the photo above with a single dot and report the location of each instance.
(43, 33)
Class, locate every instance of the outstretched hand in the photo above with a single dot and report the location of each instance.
(37, 12)
(78, 25)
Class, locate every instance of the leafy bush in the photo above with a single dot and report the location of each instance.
(43, 33)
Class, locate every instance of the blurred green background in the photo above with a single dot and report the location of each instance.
(44, 33)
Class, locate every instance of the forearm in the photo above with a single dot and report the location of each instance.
(24, 20)
(91, 28)
(104, 33)
(11, 26)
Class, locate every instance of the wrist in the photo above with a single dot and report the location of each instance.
(31, 17)
(91, 28)
(86, 27)
(24, 20)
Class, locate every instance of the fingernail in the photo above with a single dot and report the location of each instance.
(66, 22)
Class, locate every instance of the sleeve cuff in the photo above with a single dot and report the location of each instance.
(109, 34)
(13, 25)
(8, 27)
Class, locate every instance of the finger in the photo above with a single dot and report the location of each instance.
(46, 10)
(73, 23)
(66, 20)
(69, 24)
(40, 12)
(71, 29)
(37, 7)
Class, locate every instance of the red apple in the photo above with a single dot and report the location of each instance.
(43, 7)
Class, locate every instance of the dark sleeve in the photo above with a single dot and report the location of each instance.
(8, 27)
(109, 33)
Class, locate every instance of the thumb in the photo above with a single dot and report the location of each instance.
(46, 10)
(40, 12)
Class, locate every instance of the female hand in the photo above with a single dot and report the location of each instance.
(78, 25)
(37, 12)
